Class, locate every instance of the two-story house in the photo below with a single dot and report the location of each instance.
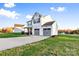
(42, 25)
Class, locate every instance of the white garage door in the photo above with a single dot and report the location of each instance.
(47, 31)
(36, 31)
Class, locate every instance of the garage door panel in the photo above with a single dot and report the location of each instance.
(47, 31)
(36, 31)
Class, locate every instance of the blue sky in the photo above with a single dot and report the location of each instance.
(66, 14)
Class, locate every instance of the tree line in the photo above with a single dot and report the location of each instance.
(69, 31)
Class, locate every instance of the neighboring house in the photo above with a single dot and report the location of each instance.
(18, 27)
(42, 25)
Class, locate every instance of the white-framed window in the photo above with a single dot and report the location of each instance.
(29, 23)
(36, 18)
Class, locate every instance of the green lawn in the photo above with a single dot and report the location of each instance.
(8, 35)
(61, 45)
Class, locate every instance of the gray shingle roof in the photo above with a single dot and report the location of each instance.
(48, 23)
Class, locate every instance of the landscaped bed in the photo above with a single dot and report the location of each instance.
(8, 35)
(59, 45)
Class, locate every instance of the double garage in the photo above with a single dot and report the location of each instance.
(46, 31)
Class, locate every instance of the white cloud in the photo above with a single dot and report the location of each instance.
(52, 8)
(28, 17)
(59, 9)
(9, 5)
(9, 14)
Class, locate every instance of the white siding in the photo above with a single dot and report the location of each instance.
(35, 26)
(54, 29)
(41, 31)
(45, 19)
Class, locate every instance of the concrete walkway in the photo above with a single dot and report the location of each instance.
(7, 43)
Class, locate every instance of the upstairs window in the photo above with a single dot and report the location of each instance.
(36, 19)
(29, 23)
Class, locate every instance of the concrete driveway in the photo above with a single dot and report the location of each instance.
(7, 43)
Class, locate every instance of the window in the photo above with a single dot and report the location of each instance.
(47, 29)
(29, 23)
(36, 19)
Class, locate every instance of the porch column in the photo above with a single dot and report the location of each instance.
(29, 31)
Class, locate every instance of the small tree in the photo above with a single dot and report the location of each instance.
(4, 30)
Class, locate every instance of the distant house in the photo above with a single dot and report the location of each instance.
(18, 27)
(42, 25)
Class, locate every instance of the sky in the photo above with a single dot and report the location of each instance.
(65, 14)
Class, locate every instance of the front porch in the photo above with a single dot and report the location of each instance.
(29, 30)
